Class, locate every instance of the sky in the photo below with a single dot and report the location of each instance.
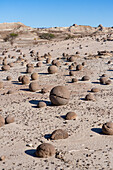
(57, 13)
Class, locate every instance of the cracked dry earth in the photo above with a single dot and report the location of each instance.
(86, 147)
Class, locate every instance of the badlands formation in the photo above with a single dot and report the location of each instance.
(56, 95)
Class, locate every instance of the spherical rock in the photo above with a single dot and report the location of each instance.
(34, 76)
(54, 62)
(71, 73)
(95, 90)
(29, 69)
(79, 67)
(41, 104)
(103, 80)
(52, 69)
(30, 65)
(5, 67)
(39, 64)
(11, 64)
(20, 78)
(45, 150)
(70, 67)
(9, 119)
(108, 82)
(1, 84)
(72, 59)
(33, 86)
(57, 64)
(71, 115)
(89, 97)
(59, 134)
(8, 78)
(2, 121)
(59, 95)
(48, 60)
(83, 63)
(85, 78)
(25, 80)
(107, 128)
(74, 80)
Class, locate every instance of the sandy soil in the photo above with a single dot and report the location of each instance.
(86, 147)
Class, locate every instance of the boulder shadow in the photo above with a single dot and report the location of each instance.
(47, 136)
(24, 72)
(31, 152)
(69, 82)
(16, 82)
(110, 70)
(95, 82)
(83, 99)
(63, 117)
(25, 90)
(97, 130)
(43, 73)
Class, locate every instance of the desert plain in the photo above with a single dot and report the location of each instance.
(86, 146)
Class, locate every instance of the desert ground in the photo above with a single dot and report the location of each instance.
(86, 146)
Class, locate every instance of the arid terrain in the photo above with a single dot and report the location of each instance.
(86, 146)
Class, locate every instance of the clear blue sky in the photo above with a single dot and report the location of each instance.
(48, 13)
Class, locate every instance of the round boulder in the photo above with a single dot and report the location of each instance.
(5, 67)
(34, 76)
(95, 90)
(25, 80)
(85, 78)
(107, 128)
(89, 97)
(59, 134)
(59, 95)
(41, 104)
(8, 78)
(79, 67)
(74, 80)
(33, 86)
(45, 150)
(29, 69)
(103, 80)
(52, 69)
(9, 119)
(20, 78)
(70, 116)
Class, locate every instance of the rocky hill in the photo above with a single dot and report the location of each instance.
(56, 33)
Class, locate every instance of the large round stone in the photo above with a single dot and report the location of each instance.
(9, 119)
(107, 128)
(45, 150)
(59, 95)
(33, 86)
(59, 134)
(25, 80)
(6, 68)
(52, 69)
(71, 115)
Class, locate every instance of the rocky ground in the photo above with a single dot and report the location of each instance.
(86, 147)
